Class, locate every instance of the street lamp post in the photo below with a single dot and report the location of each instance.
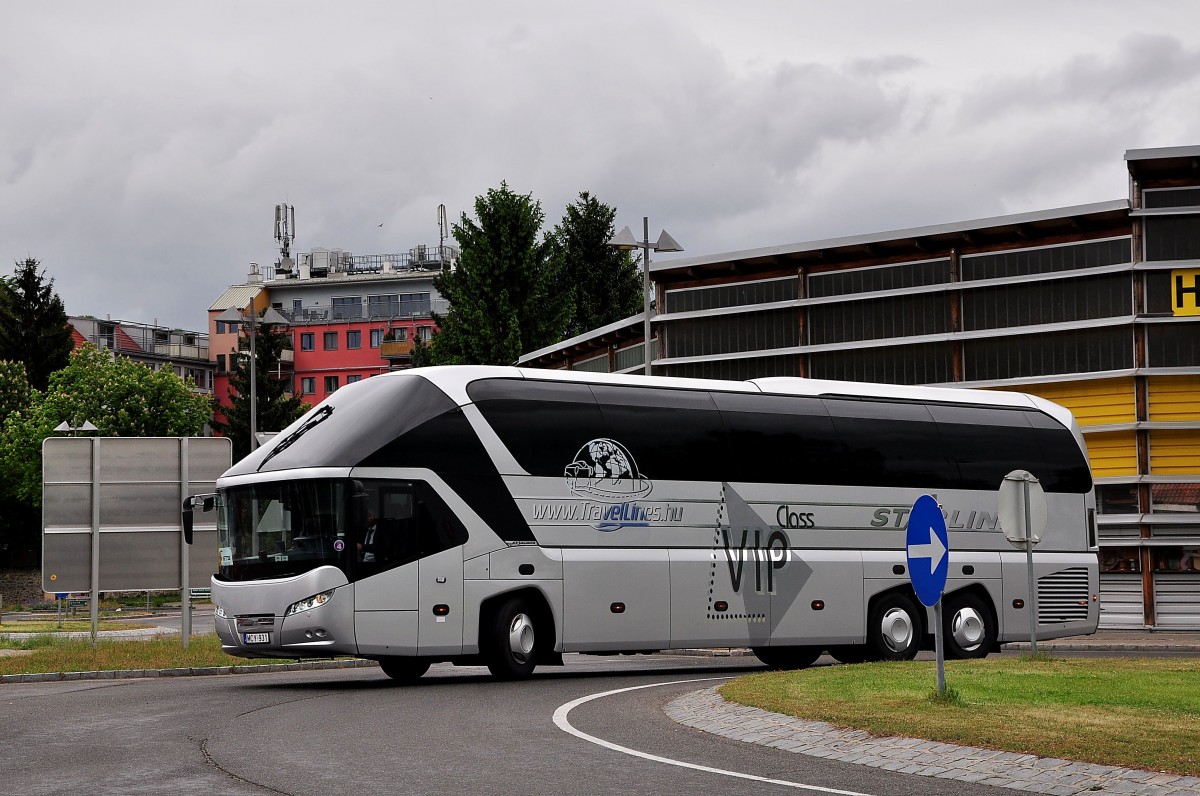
(270, 316)
(665, 243)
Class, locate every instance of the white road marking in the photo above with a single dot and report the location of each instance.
(564, 724)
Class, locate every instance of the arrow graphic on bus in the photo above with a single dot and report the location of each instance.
(933, 551)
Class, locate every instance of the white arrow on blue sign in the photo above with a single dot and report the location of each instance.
(928, 548)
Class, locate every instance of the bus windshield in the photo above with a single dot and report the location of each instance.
(282, 529)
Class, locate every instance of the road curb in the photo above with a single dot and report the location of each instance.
(191, 671)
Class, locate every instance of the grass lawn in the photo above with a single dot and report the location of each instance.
(67, 626)
(50, 653)
(1138, 713)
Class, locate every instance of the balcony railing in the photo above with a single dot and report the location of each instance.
(344, 313)
(391, 349)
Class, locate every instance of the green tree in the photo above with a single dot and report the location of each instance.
(33, 323)
(604, 284)
(503, 295)
(14, 388)
(277, 407)
(117, 395)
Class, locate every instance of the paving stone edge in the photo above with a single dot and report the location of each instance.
(706, 710)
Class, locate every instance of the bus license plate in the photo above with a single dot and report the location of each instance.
(257, 638)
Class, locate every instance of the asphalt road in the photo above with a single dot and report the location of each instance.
(354, 731)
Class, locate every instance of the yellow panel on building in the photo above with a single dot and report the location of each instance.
(1174, 452)
(1174, 398)
(1094, 403)
(1112, 454)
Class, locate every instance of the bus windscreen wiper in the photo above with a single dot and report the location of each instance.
(319, 416)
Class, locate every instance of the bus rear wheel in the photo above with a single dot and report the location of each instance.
(969, 630)
(850, 653)
(788, 657)
(404, 670)
(509, 642)
(894, 629)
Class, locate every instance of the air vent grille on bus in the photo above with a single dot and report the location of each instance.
(1063, 596)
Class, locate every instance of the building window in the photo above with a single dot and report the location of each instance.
(306, 341)
(331, 342)
(1086, 351)
(308, 385)
(331, 383)
(1034, 303)
(1173, 238)
(353, 338)
(401, 333)
(724, 334)
(897, 316)
(297, 307)
(353, 378)
(383, 306)
(1172, 345)
(220, 327)
(220, 363)
(348, 307)
(1046, 260)
(867, 280)
(376, 338)
(929, 363)
(424, 333)
(739, 295)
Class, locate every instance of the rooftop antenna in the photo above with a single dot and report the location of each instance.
(285, 233)
(443, 227)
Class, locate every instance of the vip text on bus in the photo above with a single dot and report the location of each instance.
(506, 516)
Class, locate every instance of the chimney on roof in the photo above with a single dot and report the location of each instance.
(255, 276)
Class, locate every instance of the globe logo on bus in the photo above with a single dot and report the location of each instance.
(603, 469)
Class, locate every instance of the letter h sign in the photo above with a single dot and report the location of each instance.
(1185, 292)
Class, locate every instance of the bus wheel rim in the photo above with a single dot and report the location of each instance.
(896, 628)
(520, 637)
(967, 628)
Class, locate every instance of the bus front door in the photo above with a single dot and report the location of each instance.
(440, 603)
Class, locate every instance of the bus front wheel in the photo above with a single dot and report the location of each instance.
(788, 657)
(404, 669)
(969, 630)
(510, 640)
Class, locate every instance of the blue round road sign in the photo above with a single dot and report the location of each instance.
(928, 548)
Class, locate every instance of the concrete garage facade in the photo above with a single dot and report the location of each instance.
(1096, 307)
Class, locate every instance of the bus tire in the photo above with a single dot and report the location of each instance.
(404, 669)
(894, 629)
(788, 657)
(509, 641)
(969, 630)
(850, 653)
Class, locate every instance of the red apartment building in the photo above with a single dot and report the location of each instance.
(349, 316)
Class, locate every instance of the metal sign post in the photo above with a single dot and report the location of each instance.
(1022, 512)
(928, 550)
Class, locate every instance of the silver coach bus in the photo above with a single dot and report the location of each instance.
(505, 516)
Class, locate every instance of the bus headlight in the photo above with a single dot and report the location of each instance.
(309, 603)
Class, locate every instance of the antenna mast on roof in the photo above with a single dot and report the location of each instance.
(285, 233)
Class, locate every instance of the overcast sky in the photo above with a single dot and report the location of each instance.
(143, 146)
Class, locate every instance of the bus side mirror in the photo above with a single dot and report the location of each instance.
(187, 520)
(207, 502)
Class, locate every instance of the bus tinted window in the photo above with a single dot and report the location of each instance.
(1063, 461)
(672, 434)
(986, 443)
(543, 424)
(891, 444)
(449, 446)
(778, 439)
